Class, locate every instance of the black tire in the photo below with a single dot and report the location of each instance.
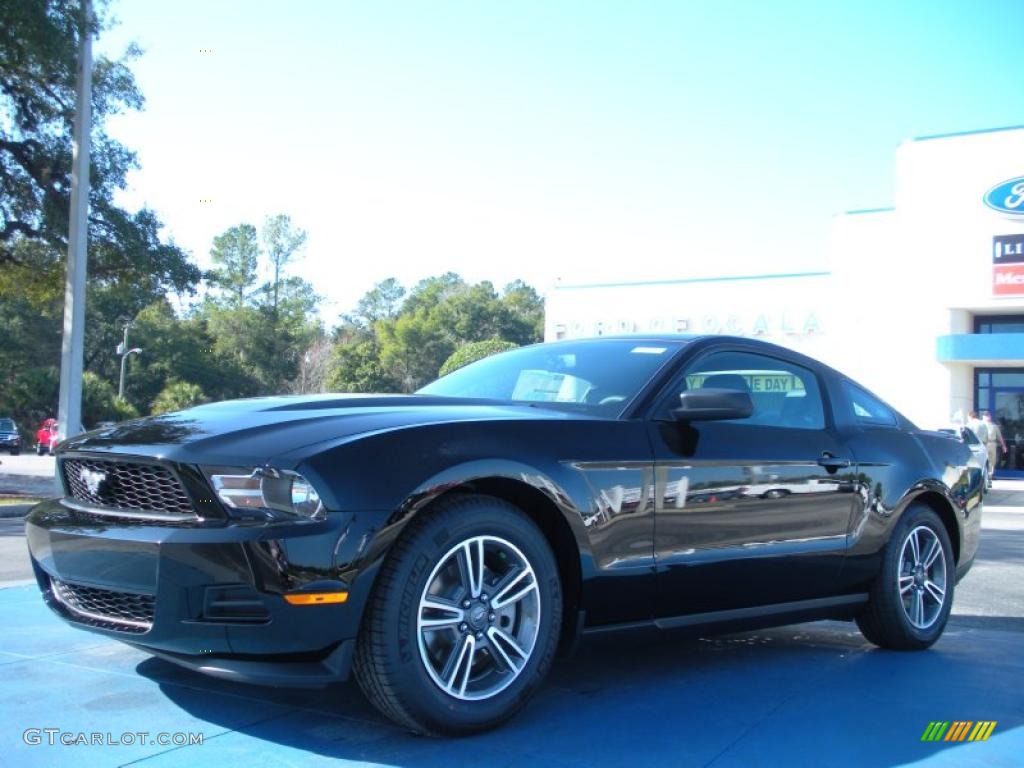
(39, 450)
(390, 664)
(885, 620)
(15, 451)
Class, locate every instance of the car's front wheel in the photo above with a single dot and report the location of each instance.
(464, 618)
(911, 598)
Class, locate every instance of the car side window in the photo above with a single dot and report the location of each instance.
(868, 409)
(784, 394)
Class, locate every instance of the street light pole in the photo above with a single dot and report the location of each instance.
(69, 410)
(124, 352)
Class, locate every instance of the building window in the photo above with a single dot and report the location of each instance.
(1000, 391)
(999, 324)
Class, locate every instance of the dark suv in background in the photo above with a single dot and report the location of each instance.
(10, 438)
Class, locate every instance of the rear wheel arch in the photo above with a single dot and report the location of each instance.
(944, 509)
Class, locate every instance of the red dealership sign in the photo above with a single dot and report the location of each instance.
(1008, 280)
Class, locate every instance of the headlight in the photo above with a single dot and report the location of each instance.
(264, 489)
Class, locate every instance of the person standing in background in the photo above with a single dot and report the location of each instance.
(994, 437)
(977, 426)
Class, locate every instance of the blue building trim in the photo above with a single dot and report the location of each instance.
(688, 280)
(964, 347)
(860, 211)
(968, 133)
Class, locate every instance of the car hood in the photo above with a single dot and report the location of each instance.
(254, 431)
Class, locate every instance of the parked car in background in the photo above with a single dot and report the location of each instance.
(443, 545)
(46, 437)
(10, 438)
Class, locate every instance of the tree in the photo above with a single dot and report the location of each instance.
(177, 396)
(129, 265)
(431, 291)
(412, 348)
(524, 322)
(235, 253)
(182, 348)
(381, 302)
(473, 351)
(313, 367)
(404, 350)
(39, 41)
(357, 367)
(282, 242)
(100, 402)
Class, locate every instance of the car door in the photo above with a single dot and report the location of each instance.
(755, 511)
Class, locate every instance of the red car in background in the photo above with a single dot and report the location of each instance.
(46, 437)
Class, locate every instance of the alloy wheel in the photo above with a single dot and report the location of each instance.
(922, 577)
(478, 618)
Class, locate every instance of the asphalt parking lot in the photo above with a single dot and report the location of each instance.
(810, 694)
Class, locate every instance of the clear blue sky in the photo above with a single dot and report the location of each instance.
(543, 140)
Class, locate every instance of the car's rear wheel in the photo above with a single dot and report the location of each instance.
(911, 598)
(463, 622)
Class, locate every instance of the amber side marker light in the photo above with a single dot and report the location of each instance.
(316, 598)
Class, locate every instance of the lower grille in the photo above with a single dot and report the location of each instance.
(123, 611)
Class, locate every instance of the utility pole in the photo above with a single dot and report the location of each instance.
(72, 348)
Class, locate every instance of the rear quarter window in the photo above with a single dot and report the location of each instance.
(868, 409)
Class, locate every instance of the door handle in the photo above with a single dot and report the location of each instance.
(832, 462)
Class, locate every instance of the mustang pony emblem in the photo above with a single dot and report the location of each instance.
(93, 480)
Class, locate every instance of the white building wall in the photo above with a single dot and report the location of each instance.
(891, 283)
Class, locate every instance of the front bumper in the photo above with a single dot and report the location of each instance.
(208, 597)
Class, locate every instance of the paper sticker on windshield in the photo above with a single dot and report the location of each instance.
(648, 350)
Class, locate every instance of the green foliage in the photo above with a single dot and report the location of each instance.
(379, 303)
(129, 265)
(177, 396)
(413, 346)
(262, 331)
(235, 254)
(38, 66)
(356, 367)
(379, 348)
(473, 351)
(100, 402)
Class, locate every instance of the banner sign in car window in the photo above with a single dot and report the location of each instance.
(1008, 265)
(757, 381)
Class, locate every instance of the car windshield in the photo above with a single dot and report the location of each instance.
(7, 425)
(599, 375)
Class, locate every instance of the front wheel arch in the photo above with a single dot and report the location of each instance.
(551, 521)
(523, 486)
(389, 663)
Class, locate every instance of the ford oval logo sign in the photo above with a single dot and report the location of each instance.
(1007, 196)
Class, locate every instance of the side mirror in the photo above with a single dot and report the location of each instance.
(713, 405)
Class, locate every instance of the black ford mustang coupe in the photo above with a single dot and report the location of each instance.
(443, 546)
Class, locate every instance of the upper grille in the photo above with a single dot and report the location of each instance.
(124, 611)
(121, 485)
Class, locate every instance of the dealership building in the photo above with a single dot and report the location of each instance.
(922, 303)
